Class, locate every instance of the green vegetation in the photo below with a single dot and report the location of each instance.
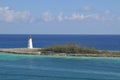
(70, 48)
(73, 49)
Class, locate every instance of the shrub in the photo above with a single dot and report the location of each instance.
(70, 48)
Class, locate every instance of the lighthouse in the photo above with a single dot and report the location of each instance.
(30, 44)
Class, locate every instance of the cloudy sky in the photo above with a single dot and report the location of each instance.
(59, 16)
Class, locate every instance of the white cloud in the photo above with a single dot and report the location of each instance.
(60, 17)
(9, 15)
(75, 16)
(83, 17)
(47, 17)
(94, 17)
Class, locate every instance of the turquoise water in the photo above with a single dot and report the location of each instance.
(36, 67)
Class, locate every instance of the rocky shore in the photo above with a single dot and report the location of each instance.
(36, 51)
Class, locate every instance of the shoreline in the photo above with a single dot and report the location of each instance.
(36, 51)
(33, 51)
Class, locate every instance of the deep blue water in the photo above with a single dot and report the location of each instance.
(36, 67)
(111, 42)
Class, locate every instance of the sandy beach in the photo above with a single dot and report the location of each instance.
(21, 50)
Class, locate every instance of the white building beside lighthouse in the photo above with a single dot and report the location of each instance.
(30, 44)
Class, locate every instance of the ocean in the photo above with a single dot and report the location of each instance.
(102, 42)
(38, 67)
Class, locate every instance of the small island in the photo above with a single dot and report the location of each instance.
(68, 49)
(72, 49)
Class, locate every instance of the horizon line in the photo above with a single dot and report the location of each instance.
(56, 34)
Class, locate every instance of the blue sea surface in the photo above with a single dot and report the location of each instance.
(36, 67)
(102, 42)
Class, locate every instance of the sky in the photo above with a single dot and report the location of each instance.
(59, 17)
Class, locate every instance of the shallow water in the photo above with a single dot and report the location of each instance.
(35, 67)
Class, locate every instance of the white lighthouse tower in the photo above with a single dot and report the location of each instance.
(30, 44)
